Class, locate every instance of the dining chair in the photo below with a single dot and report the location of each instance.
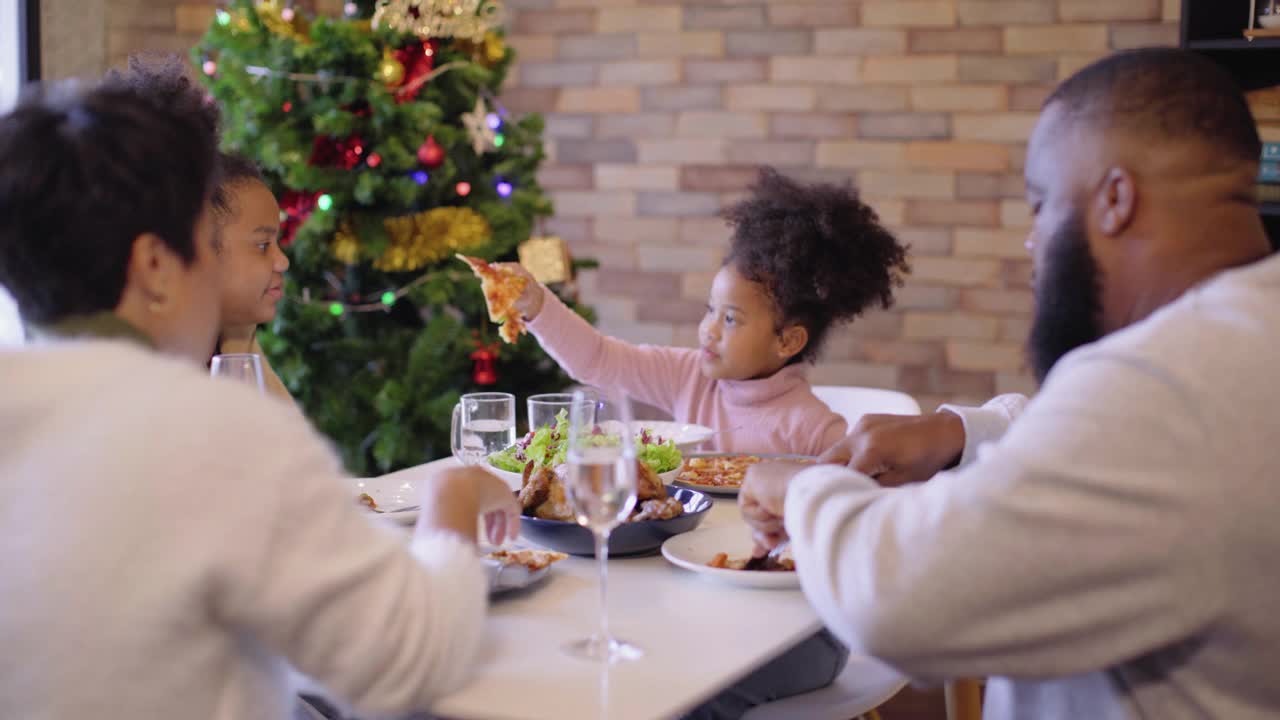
(964, 699)
(857, 691)
(851, 402)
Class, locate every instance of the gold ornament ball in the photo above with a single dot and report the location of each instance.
(390, 70)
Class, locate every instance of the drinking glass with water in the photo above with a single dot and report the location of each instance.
(241, 367)
(483, 423)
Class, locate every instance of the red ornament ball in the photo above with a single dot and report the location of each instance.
(430, 153)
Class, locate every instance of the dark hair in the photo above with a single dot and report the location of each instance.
(163, 77)
(820, 251)
(82, 175)
(232, 170)
(1163, 94)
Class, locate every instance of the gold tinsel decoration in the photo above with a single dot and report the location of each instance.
(462, 19)
(420, 239)
(272, 14)
(488, 52)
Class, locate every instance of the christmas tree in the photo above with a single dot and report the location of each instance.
(383, 138)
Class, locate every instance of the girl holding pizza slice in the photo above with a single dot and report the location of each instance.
(802, 259)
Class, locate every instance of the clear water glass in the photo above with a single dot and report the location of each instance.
(242, 367)
(483, 424)
(544, 408)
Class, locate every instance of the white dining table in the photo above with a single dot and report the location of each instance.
(699, 636)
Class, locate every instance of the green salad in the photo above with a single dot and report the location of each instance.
(546, 447)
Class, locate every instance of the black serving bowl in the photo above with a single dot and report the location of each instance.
(628, 538)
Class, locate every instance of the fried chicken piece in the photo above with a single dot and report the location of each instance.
(648, 485)
(536, 487)
(721, 560)
(663, 509)
(556, 506)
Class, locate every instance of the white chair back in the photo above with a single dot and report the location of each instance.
(852, 403)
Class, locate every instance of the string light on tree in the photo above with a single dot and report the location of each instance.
(287, 106)
(463, 188)
(499, 140)
(209, 67)
(350, 9)
(374, 160)
(421, 177)
(493, 121)
(224, 17)
(325, 202)
(287, 14)
(504, 189)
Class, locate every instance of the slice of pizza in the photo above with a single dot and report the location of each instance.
(534, 560)
(502, 288)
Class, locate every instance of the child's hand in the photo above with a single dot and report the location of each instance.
(530, 302)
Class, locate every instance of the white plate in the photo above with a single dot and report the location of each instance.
(730, 490)
(505, 578)
(686, 436)
(693, 550)
(392, 493)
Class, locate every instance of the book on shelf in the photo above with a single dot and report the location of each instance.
(1269, 172)
(1271, 151)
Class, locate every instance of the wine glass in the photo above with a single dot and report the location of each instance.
(601, 489)
(488, 424)
(245, 367)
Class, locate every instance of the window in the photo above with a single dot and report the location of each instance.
(19, 48)
(19, 64)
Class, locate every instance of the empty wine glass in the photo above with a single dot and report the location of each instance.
(488, 424)
(244, 367)
(601, 488)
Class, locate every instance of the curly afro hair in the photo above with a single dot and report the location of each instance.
(820, 252)
(163, 77)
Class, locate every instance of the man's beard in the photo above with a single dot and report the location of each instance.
(1068, 293)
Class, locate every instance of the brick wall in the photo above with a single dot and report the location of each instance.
(659, 110)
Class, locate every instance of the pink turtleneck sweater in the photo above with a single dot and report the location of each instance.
(777, 414)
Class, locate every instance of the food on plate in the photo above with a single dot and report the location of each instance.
(366, 500)
(534, 560)
(726, 471)
(722, 471)
(502, 287)
(542, 495)
(764, 563)
(546, 447)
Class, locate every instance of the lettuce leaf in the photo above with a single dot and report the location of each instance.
(546, 447)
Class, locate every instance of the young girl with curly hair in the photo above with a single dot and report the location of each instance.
(802, 259)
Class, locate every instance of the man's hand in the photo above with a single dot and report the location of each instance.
(529, 303)
(452, 500)
(762, 501)
(900, 449)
